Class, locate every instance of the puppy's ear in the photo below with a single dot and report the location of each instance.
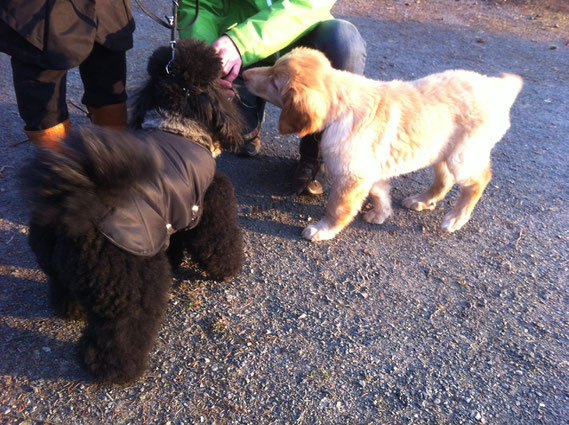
(304, 111)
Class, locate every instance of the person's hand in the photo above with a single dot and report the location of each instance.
(230, 61)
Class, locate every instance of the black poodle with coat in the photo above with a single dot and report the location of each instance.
(113, 212)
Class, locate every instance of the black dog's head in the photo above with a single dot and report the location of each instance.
(188, 88)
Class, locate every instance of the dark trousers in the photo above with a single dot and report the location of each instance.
(342, 44)
(41, 93)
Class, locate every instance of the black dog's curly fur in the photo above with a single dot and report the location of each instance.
(123, 297)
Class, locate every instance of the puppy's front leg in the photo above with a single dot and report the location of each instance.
(346, 198)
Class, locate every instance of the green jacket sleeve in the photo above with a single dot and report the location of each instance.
(259, 28)
(273, 29)
(208, 27)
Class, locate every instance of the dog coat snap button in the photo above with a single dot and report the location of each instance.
(195, 210)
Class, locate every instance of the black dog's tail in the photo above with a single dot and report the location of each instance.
(75, 185)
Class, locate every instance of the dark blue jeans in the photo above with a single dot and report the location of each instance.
(342, 44)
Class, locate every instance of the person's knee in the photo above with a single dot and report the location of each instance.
(103, 75)
(342, 43)
(341, 34)
(40, 94)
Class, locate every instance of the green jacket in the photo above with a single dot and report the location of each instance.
(259, 28)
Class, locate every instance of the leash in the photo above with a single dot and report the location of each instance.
(234, 88)
(171, 24)
(172, 20)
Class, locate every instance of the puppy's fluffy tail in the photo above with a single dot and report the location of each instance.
(92, 171)
(510, 86)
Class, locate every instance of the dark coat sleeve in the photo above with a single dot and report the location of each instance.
(59, 34)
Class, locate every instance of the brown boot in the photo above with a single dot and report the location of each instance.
(251, 148)
(50, 137)
(304, 178)
(113, 116)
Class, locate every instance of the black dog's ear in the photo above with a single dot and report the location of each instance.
(144, 98)
(139, 103)
(158, 61)
(218, 114)
(198, 68)
(227, 122)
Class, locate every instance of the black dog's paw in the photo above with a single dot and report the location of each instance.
(112, 364)
(69, 309)
(64, 303)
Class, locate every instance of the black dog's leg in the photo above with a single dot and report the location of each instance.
(217, 243)
(175, 252)
(44, 242)
(125, 310)
(63, 301)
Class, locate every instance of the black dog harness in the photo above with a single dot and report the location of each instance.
(171, 201)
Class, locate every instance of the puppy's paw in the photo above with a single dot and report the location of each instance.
(318, 232)
(419, 203)
(453, 222)
(376, 216)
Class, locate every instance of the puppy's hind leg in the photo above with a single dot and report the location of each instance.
(470, 192)
(346, 198)
(217, 242)
(381, 200)
(442, 183)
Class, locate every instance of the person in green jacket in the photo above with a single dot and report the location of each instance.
(250, 33)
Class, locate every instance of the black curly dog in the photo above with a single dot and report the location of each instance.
(113, 212)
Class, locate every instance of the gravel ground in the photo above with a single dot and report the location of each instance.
(391, 324)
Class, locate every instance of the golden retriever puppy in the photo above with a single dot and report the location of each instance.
(375, 130)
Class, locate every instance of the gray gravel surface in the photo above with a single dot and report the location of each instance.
(392, 324)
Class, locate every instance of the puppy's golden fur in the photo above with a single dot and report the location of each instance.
(375, 130)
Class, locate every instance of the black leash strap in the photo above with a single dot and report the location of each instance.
(172, 20)
(172, 24)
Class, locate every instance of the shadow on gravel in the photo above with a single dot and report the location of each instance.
(23, 298)
(269, 228)
(34, 355)
(30, 347)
